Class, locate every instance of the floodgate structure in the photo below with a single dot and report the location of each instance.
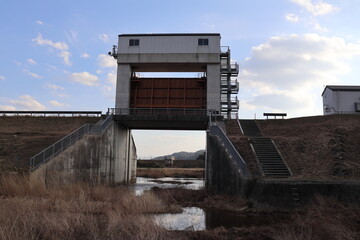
(152, 93)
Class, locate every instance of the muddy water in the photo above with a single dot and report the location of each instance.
(195, 218)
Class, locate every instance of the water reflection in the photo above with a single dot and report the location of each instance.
(142, 184)
(197, 219)
(192, 218)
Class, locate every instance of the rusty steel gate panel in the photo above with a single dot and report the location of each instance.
(168, 93)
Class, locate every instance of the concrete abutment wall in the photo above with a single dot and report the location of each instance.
(222, 174)
(109, 157)
(223, 177)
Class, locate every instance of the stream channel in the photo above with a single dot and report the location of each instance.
(195, 218)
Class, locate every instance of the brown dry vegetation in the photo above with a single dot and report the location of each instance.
(21, 137)
(323, 219)
(29, 210)
(170, 172)
(200, 198)
(323, 147)
(318, 147)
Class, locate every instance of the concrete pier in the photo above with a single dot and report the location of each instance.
(109, 157)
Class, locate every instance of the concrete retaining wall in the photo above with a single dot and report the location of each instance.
(109, 157)
(280, 193)
(222, 174)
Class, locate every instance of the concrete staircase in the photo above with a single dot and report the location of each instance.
(250, 128)
(270, 160)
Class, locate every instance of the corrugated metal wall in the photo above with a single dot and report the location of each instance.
(168, 93)
(169, 44)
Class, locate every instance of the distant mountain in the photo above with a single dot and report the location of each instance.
(182, 155)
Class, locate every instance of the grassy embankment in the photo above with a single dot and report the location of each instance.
(315, 148)
(21, 137)
(30, 210)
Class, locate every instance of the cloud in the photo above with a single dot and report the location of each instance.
(65, 55)
(34, 75)
(84, 78)
(294, 59)
(31, 61)
(56, 103)
(111, 78)
(85, 55)
(318, 8)
(288, 71)
(109, 89)
(104, 37)
(2, 77)
(60, 95)
(61, 46)
(7, 108)
(54, 87)
(50, 67)
(319, 28)
(72, 36)
(29, 103)
(58, 45)
(291, 17)
(39, 22)
(105, 61)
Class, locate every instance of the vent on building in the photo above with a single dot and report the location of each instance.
(357, 106)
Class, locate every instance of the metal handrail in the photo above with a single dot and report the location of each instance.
(159, 111)
(232, 99)
(224, 49)
(56, 148)
(52, 113)
(230, 149)
(233, 84)
(233, 67)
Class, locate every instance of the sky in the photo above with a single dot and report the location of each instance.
(53, 54)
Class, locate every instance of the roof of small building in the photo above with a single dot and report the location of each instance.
(341, 88)
(168, 34)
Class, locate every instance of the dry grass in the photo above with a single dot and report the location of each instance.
(325, 219)
(323, 147)
(171, 172)
(29, 210)
(200, 198)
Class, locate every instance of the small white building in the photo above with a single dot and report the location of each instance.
(341, 99)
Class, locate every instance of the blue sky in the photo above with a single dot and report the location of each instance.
(53, 53)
